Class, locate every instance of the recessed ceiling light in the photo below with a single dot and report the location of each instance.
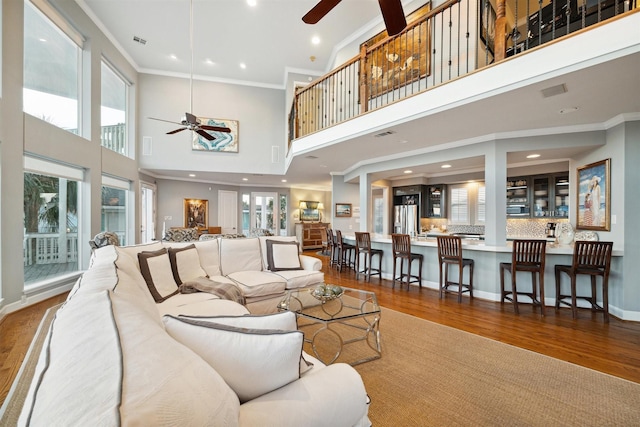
(445, 166)
(42, 39)
(568, 110)
(533, 156)
(192, 175)
(315, 40)
(245, 179)
(208, 61)
(172, 56)
(284, 180)
(243, 65)
(252, 3)
(408, 171)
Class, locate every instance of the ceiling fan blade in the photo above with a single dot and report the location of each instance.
(162, 120)
(393, 15)
(319, 11)
(176, 131)
(206, 135)
(215, 128)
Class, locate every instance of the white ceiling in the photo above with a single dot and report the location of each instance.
(271, 39)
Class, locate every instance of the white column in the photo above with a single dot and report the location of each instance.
(366, 209)
(495, 166)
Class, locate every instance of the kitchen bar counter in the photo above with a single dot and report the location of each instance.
(487, 276)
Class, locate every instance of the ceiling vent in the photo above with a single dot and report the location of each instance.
(381, 134)
(139, 40)
(554, 90)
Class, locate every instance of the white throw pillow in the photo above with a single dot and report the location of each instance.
(156, 270)
(283, 321)
(251, 361)
(185, 264)
(282, 256)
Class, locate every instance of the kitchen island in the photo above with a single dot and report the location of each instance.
(487, 258)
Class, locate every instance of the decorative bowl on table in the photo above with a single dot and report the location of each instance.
(326, 292)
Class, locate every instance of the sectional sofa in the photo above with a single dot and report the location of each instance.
(128, 347)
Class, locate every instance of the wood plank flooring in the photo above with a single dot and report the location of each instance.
(613, 348)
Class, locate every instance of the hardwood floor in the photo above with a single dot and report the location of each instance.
(613, 348)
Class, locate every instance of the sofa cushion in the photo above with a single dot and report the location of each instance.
(301, 278)
(258, 283)
(156, 269)
(282, 256)
(106, 362)
(200, 304)
(239, 255)
(180, 234)
(209, 257)
(251, 361)
(185, 264)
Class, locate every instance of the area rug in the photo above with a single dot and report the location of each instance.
(434, 375)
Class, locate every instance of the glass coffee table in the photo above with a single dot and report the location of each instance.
(342, 329)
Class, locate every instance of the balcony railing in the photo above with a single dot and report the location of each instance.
(114, 138)
(450, 41)
(47, 248)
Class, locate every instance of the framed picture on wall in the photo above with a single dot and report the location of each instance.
(196, 214)
(594, 196)
(343, 210)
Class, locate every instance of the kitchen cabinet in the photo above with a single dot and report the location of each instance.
(435, 202)
(551, 195)
(538, 196)
(311, 234)
(518, 197)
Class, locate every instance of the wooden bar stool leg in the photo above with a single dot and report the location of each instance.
(605, 297)
(502, 285)
(460, 277)
(514, 293)
(574, 299)
(471, 281)
(541, 273)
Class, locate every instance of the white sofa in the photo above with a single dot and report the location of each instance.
(113, 356)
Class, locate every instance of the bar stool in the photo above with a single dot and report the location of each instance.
(527, 255)
(450, 253)
(363, 246)
(345, 252)
(593, 259)
(401, 248)
(331, 245)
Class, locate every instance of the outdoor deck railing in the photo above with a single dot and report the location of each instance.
(47, 248)
(450, 41)
(114, 138)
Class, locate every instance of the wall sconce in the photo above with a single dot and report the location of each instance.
(301, 207)
(320, 208)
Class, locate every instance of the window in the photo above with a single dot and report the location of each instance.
(51, 218)
(468, 204)
(114, 212)
(459, 204)
(113, 110)
(246, 214)
(481, 211)
(52, 64)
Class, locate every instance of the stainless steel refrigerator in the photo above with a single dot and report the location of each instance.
(406, 219)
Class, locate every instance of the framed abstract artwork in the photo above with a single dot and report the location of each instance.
(223, 142)
(594, 196)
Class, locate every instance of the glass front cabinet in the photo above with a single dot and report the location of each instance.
(435, 201)
(538, 196)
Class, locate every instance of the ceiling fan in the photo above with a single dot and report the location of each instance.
(392, 13)
(190, 121)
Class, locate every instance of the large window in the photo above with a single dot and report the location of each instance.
(113, 110)
(114, 214)
(283, 214)
(52, 64)
(468, 204)
(51, 218)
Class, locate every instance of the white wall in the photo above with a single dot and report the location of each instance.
(260, 113)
